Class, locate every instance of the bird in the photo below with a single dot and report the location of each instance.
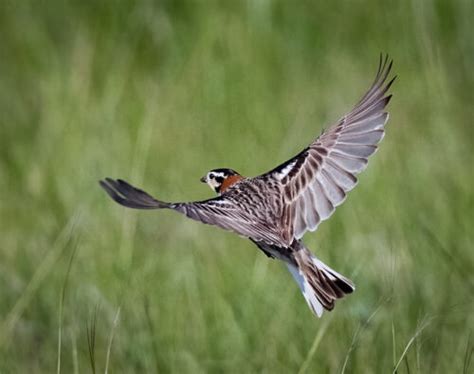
(275, 209)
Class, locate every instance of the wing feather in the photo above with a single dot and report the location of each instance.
(318, 179)
(227, 211)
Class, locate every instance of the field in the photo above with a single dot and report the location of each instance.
(158, 93)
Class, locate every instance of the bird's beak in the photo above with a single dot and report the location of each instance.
(203, 179)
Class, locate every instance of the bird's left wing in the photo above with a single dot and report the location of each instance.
(223, 211)
(315, 182)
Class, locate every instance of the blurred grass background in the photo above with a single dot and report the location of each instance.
(160, 92)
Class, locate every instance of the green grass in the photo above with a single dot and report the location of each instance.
(159, 93)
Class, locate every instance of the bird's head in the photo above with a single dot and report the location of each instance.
(221, 179)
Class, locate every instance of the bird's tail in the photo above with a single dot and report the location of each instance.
(131, 197)
(321, 286)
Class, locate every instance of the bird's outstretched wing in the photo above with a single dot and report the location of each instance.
(224, 211)
(311, 184)
(316, 181)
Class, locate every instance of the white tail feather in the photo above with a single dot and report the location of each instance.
(306, 290)
(321, 286)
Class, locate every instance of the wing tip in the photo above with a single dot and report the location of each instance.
(129, 196)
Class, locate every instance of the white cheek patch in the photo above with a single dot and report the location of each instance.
(212, 183)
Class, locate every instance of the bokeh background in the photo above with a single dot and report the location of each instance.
(160, 92)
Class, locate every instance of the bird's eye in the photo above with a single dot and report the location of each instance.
(211, 176)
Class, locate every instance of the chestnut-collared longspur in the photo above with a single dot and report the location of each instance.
(275, 209)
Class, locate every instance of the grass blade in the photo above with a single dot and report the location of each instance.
(111, 339)
(314, 346)
(91, 339)
(61, 306)
(468, 355)
(44, 268)
(359, 329)
(410, 342)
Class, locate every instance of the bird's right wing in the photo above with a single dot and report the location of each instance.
(222, 211)
(317, 180)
